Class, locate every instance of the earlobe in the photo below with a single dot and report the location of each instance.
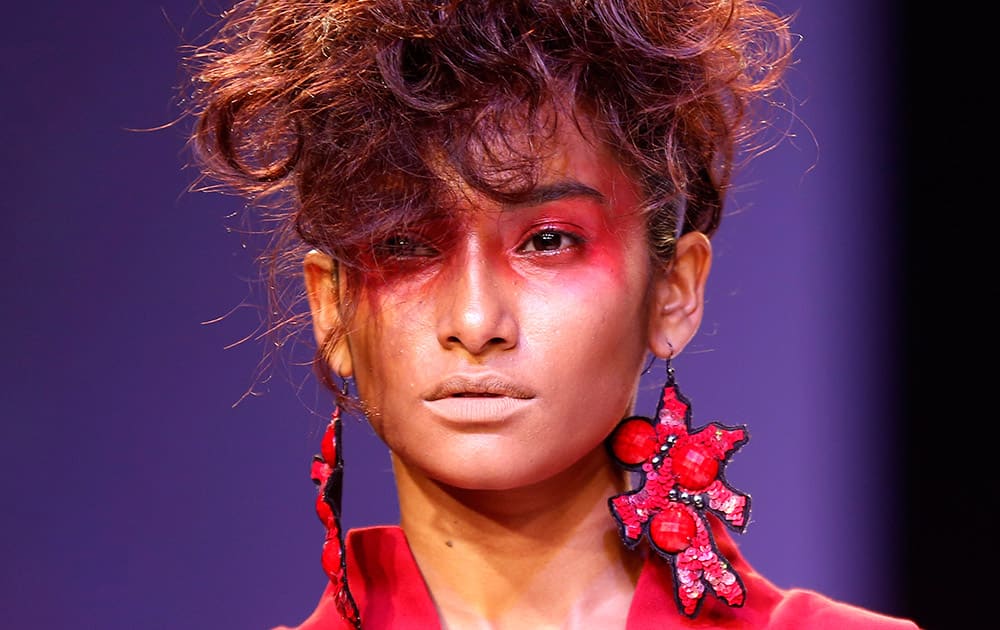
(678, 299)
(322, 290)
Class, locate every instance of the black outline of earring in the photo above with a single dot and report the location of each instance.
(332, 493)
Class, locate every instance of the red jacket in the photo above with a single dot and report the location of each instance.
(391, 594)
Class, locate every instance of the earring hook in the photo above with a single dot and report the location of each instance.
(667, 364)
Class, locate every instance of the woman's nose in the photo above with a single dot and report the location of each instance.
(477, 310)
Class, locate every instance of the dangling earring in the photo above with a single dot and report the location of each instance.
(681, 479)
(328, 475)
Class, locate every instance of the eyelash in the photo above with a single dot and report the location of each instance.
(562, 235)
(403, 246)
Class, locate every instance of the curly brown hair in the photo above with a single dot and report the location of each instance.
(336, 118)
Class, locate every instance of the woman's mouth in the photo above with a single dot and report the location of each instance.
(478, 399)
(478, 386)
(477, 409)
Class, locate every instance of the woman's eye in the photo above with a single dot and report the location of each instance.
(549, 241)
(403, 246)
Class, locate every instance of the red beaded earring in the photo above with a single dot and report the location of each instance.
(328, 475)
(681, 479)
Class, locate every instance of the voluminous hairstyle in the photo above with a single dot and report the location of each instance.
(340, 118)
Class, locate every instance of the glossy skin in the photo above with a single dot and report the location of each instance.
(507, 355)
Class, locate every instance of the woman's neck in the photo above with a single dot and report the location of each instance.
(544, 556)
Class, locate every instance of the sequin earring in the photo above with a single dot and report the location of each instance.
(681, 481)
(328, 475)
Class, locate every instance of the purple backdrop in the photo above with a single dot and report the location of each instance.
(137, 495)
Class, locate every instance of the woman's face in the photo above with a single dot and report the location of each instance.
(508, 353)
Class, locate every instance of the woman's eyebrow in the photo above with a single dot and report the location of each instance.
(555, 191)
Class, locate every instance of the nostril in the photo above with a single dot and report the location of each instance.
(493, 341)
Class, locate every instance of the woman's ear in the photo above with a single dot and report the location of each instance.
(678, 299)
(322, 287)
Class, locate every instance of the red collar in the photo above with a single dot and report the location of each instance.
(391, 593)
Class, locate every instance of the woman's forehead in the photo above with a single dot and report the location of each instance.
(525, 162)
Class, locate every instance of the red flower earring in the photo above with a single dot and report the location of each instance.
(681, 480)
(328, 475)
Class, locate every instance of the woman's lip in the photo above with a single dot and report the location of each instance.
(470, 409)
(477, 386)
